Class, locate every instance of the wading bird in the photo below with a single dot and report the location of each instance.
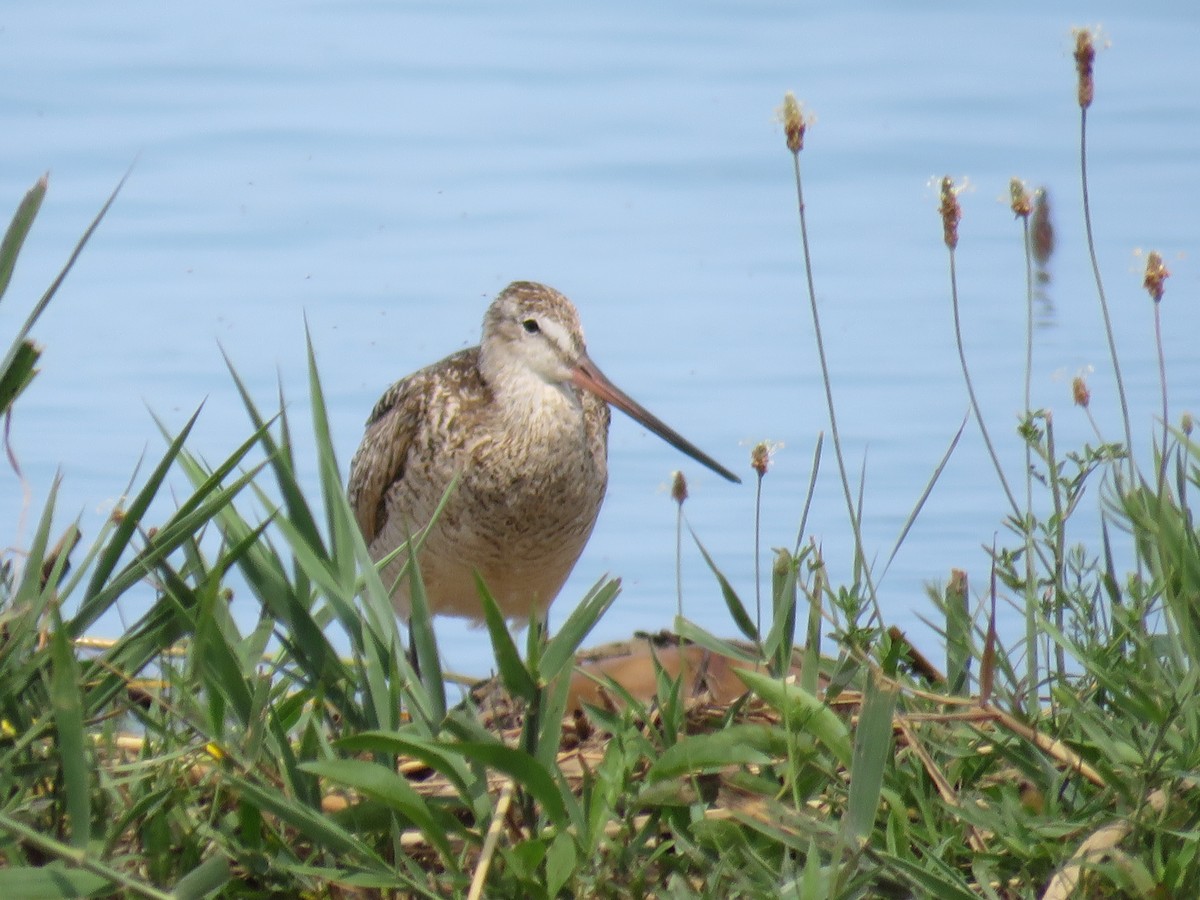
(522, 422)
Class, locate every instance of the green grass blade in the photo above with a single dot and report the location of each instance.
(424, 640)
(204, 880)
(517, 679)
(118, 543)
(553, 708)
(297, 508)
(920, 504)
(810, 669)
(332, 489)
(438, 755)
(956, 603)
(311, 823)
(810, 492)
(737, 609)
(692, 633)
(872, 752)
(782, 635)
(18, 230)
(19, 374)
(51, 882)
(67, 704)
(526, 771)
(214, 657)
(31, 595)
(40, 306)
(559, 654)
(380, 618)
(938, 880)
(389, 788)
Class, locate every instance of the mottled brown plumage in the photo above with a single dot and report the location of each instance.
(522, 420)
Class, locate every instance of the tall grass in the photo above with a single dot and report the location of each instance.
(189, 757)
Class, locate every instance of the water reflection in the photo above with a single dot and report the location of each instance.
(1041, 244)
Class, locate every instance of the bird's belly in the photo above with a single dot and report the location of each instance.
(522, 535)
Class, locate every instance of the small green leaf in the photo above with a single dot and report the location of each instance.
(560, 864)
(732, 746)
(782, 635)
(438, 755)
(803, 711)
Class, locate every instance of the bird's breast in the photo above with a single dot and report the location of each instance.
(544, 468)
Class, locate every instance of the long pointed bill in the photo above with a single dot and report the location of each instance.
(588, 376)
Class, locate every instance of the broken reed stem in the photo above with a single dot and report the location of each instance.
(794, 128)
(479, 880)
(940, 782)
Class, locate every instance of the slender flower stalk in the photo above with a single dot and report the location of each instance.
(1186, 425)
(1060, 547)
(679, 493)
(760, 462)
(951, 213)
(1156, 275)
(1022, 207)
(1083, 398)
(1085, 56)
(795, 126)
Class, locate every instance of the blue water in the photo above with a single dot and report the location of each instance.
(380, 170)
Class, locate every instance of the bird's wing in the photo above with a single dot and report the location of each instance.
(381, 457)
(429, 399)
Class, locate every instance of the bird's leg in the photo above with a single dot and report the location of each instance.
(539, 626)
(413, 660)
(535, 644)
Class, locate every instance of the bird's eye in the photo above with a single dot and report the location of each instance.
(531, 326)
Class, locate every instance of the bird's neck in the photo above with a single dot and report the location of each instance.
(529, 402)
